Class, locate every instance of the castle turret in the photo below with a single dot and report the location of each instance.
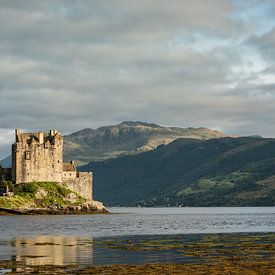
(41, 137)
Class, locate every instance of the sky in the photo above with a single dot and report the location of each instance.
(69, 65)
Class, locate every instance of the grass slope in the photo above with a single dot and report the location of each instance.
(40, 195)
(190, 172)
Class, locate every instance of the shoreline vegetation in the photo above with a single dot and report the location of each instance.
(234, 253)
(46, 198)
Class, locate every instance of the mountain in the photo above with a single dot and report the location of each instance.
(6, 162)
(126, 138)
(191, 172)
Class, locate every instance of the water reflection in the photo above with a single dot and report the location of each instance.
(53, 250)
(27, 253)
(62, 251)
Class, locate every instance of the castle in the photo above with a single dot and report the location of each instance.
(38, 157)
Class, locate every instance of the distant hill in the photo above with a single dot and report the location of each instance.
(6, 162)
(126, 138)
(191, 172)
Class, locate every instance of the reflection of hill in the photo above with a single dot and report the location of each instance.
(53, 250)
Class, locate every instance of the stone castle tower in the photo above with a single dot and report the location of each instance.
(38, 157)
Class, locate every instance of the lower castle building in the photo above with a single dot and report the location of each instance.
(38, 157)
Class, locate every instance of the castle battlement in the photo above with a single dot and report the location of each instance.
(38, 157)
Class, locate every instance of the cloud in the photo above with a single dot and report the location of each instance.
(75, 64)
(264, 44)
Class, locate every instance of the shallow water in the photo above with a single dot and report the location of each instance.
(62, 240)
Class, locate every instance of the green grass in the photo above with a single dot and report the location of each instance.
(14, 202)
(40, 194)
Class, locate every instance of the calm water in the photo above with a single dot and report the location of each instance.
(76, 239)
(136, 221)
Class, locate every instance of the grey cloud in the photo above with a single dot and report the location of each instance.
(75, 64)
(265, 44)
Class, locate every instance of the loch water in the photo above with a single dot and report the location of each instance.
(71, 239)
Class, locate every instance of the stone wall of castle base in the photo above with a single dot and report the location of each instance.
(82, 184)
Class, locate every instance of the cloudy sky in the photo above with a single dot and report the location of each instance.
(69, 64)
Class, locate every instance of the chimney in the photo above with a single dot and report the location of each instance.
(41, 137)
(17, 133)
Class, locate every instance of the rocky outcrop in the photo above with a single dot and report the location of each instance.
(47, 198)
(89, 207)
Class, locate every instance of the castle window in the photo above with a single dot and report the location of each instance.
(53, 166)
(27, 155)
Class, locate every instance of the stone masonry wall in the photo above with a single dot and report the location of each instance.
(82, 184)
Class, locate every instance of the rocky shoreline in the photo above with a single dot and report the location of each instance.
(89, 207)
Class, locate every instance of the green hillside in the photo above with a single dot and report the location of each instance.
(126, 138)
(191, 172)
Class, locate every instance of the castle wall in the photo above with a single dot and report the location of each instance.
(69, 175)
(82, 184)
(38, 157)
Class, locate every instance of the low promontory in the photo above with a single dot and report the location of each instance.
(39, 198)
